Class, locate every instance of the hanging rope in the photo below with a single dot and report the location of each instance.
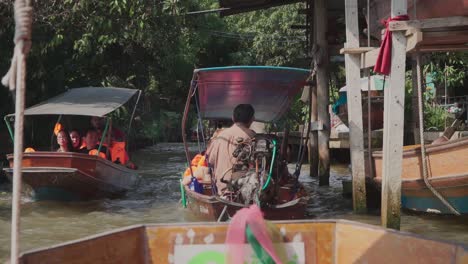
(421, 135)
(22, 40)
(15, 79)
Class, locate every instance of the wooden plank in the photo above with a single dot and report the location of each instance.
(353, 82)
(320, 10)
(368, 59)
(443, 22)
(393, 127)
(358, 50)
(413, 39)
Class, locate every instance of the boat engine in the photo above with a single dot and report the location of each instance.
(255, 172)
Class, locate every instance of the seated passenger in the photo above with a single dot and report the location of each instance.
(222, 146)
(99, 123)
(64, 141)
(92, 145)
(76, 140)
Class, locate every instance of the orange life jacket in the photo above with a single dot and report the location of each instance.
(198, 161)
(94, 152)
(29, 150)
(57, 128)
(118, 151)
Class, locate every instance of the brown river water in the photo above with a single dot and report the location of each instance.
(156, 200)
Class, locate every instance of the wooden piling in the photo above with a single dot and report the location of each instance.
(313, 136)
(353, 84)
(313, 140)
(414, 101)
(394, 104)
(320, 15)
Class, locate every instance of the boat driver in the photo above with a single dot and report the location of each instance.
(222, 146)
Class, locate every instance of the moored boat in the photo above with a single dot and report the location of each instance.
(447, 173)
(70, 176)
(270, 90)
(320, 241)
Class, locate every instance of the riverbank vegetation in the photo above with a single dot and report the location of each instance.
(154, 46)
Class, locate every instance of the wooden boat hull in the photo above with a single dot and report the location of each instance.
(74, 176)
(447, 171)
(425, 9)
(322, 241)
(210, 208)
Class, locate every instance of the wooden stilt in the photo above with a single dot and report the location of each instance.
(353, 83)
(394, 104)
(313, 140)
(313, 137)
(414, 102)
(320, 11)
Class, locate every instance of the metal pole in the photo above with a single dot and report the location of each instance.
(131, 119)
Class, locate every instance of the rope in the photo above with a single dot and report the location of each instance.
(15, 79)
(22, 40)
(423, 148)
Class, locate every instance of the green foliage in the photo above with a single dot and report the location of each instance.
(434, 117)
(267, 38)
(450, 68)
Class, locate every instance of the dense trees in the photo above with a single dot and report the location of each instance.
(148, 45)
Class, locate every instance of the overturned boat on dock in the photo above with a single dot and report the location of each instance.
(270, 90)
(71, 176)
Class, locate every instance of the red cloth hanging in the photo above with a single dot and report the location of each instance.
(384, 60)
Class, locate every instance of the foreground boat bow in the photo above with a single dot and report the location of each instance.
(323, 241)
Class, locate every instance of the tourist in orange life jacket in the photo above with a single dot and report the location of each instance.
(99, 123)
(76, 140)
(64, 141)
(92, 145)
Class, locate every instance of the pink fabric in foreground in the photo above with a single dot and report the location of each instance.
(236, 234)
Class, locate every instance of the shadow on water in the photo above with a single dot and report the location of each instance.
(156, 200)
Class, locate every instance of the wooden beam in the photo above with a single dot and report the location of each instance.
(323, 98)
(368, 59)
(393, 126)
(439, 48)
(443, 22)
(414, 37)
(353, 82)
(358, 50)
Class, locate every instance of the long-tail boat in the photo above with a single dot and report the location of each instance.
(270, 90)
(70, 176)
(447, 173)
(320, 241)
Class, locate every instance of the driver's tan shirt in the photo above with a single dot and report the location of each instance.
(220, 152)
